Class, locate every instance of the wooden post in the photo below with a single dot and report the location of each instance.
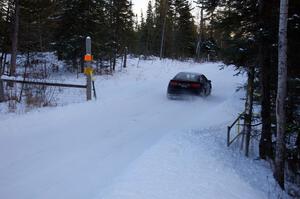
(88, 68)
(228, 135)
(89, 87)
(238, 126)
(1, 61)
(125, 57)
(4, 64)
(1, 91)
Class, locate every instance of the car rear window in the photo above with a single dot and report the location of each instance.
(187, 76)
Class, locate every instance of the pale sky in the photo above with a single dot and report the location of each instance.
(142, 4)
(138, 5)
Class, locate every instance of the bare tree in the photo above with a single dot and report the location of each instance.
(281, 94)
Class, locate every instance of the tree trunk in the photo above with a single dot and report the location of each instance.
(265, 144)
(200, 37)
(163, 30)
(281, 94)
(265, 15)
(248, 109)
(14, 46)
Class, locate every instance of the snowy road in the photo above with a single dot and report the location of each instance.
(116, 146)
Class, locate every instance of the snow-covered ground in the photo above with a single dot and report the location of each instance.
(132, 142)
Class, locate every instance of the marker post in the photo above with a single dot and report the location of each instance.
(88, 70)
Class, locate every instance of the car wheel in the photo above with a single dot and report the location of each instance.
(208, 93)
(170, 97)
(209, 90)
(203, 93)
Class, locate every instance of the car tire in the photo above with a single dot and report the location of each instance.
(203, 93)
(170, 97)
(209, 91)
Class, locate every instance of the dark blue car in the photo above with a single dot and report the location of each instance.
(188, 83)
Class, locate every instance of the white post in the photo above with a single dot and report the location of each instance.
(88, 45)
(88, 68)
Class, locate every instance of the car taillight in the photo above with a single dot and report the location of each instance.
(195, 85)
(173, 83)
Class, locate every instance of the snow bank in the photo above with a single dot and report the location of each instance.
(132, 142)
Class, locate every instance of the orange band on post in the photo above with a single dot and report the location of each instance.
(88, 57)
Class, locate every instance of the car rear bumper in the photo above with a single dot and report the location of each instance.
(178, 92)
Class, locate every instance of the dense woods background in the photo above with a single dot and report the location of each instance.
(243, 33)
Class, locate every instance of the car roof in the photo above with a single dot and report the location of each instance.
(187, 76)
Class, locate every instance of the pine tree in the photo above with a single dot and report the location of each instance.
(2, 25)
(185, 29)
(247, 33)
(266, 37)
(174, 34)
(170, 47)
(206, 43)
(237, 23)
(142, 36)
(159, 12)
(120, 27)
(5, 31)
(121, 21)
(149, 28)
(78, 19)
(36, 27)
